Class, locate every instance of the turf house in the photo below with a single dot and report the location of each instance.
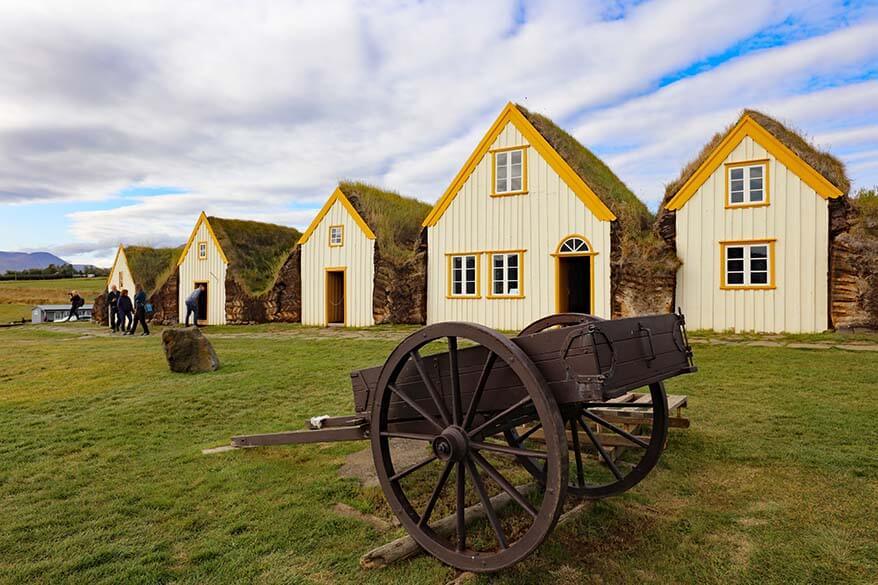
(250, 270)
(362, 262)
(761, 222)
(154, 269)
(534, 223)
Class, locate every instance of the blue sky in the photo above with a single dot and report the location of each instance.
(121, 125)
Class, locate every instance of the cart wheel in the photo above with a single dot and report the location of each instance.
(607, 455)
(558, 320)
(458, 405)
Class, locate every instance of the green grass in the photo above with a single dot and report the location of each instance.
(17, 293)
(102, 479)
(14, 312)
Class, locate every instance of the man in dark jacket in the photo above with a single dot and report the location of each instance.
(113, 304)
(139, 311)
(125, 309)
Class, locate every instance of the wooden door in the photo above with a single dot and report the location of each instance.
(335, 297)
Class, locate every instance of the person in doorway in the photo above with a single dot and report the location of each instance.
(113, 304)
(75, 303)
(193, 302)
(139, 311)
(125, 309)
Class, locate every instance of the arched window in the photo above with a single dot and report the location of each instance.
(573, 245)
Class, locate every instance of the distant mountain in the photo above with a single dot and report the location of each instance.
(26, 260)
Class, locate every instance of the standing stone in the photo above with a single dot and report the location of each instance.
(188, 350)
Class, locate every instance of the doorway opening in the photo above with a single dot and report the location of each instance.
(574, 266)
(202, 302)
(335, 296)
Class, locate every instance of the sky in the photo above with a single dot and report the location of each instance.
(120, 121)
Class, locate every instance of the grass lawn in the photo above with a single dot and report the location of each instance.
(34, 292)
(102, 479)
(14, 312)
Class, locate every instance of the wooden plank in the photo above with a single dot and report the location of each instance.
(292, 437)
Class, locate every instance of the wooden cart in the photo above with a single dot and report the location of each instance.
(472, 402)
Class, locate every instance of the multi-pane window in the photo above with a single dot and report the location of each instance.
(747, 184)
(121, 279)
(336, 235)
(464, 279)
(573, 245)
(748, 265)
(509, 171)
(506, 274)
(202, 250)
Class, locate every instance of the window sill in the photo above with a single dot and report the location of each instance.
(509, 194)
(746, 205)
(462, 297)
(748, 287)
(501, 297)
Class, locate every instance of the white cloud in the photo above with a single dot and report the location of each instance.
(258, 108)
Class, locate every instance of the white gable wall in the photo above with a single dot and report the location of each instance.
(356, 256)
(796, 216)
(120, 274)
(535, 222)
(211, 270)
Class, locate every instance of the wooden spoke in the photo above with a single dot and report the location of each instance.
(500, 416)
(523, 437)
(412, 436)
(597, 443)
(615, 429)
(577, 452)
(486, 503)
(461, 507)
(456, 402)
(431, 387)
(480, 387)
(413, 468)
(508, 450)
(434, 497)
(503, 483)
(416, 407)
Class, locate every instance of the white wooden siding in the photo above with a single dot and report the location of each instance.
(211, 270)
(796, 216)
(356, 255)
(535, 222)
(121, 265)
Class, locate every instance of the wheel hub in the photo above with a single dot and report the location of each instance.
(451, 445)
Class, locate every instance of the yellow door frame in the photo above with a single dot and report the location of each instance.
(326, 272)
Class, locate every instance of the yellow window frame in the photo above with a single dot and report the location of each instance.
(341, 230)
(523, 191)
(772, 268)
(491, 253)
(766, 183)
(198, 250)
(449, 259)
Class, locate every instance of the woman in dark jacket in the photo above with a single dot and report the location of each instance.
(139, 311)
(125, 309)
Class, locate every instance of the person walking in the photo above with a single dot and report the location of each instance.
(75, 303)
(193, 303)
(113, 303)
(125, 310)
(139, 311)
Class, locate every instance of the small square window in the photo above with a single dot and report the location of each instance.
(505, 280)
(336, 235)
(748, 265)
(463, 274)
(747, 185)
(509, 172)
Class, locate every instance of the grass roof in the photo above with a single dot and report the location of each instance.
(631, 211)
(256, 251)
(395, 219)
(821, 161)
(151, 267)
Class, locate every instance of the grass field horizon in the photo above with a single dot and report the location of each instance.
(18, 297)
(102, 478)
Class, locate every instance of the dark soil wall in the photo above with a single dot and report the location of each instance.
(400, 288)
(165, 301)
(642, 276)
(283, 303)
(853, 268)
